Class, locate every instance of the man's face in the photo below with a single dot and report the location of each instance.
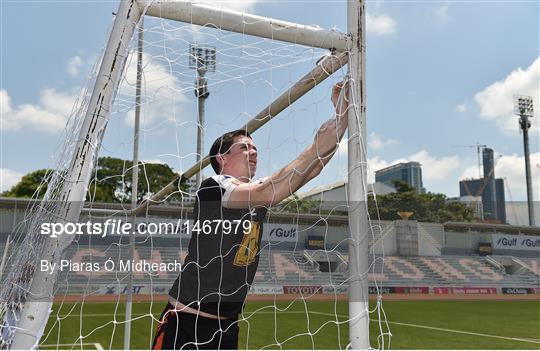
(241, 160)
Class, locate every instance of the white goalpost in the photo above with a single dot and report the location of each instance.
(357, 180)
(66, 195)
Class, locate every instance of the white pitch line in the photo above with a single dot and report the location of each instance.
(462, 332)
(440, 329)
(373, 320)
(99, 315)
(96, 345)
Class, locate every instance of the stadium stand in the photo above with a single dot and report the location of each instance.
(439, 256)
(279, 268)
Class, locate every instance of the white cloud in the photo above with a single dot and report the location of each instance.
(434, 169)
(440, 174)
(512, 167)
(161, 91)
(470, 172)
(343, 147)
(376, 142)
(496, 101)
(461, 108)
(374, 164)
(5, 104)
(380, 24)
(49, 116)
(74, 65)
(8, 178)
(441, 13)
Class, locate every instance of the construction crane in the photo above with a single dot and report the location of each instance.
(478, 149)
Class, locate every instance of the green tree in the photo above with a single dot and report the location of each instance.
(111, 181)
(428, 207)
(33, 183)
(295, 204)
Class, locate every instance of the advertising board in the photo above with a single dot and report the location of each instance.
(315, 242)
(280, 232)
(517, 291)
(516, 242)
(266, 289)
(381, 289)
(411, 290)
(119, 289)
(473, 290)
(302, 289)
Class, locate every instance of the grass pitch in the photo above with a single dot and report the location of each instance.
(317, 325)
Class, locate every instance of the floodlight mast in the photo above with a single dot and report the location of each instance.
(202, 59)
(524, 109)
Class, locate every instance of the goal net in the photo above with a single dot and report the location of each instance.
(92, 261)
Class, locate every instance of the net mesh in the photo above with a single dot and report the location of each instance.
(298, 298)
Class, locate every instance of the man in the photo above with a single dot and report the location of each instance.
(223, 253)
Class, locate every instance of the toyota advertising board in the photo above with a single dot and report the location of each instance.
(302, 289)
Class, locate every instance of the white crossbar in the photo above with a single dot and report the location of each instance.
(205, 15)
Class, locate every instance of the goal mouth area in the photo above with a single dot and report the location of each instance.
(259, 61)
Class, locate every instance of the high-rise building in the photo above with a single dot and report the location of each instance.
(475, 204)
(489, 196)
(410, 173)
(189, 196)
(501, 201)
(489, 188)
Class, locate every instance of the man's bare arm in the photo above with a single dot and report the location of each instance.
(342, 107)
(305, 167)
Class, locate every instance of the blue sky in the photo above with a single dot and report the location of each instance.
(438, 74)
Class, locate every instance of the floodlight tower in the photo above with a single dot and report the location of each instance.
(524, 109)
(202, 59)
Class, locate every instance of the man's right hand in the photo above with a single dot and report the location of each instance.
(340, 106)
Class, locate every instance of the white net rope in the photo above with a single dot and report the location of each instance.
(298, 296)
(25, 244)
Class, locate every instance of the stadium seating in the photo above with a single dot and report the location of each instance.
(288, 267)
